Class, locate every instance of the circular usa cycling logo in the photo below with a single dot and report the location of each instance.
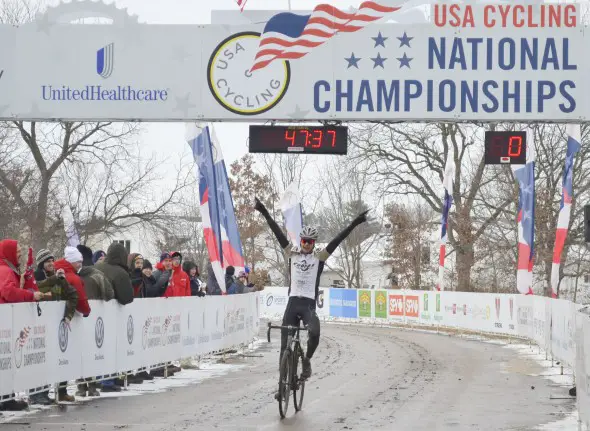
(269, 300)
(99, 332)
(62, 336)
(130, 329)
(237, 87)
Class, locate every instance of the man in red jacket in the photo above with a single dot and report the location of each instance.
(10, 276)
(71, 264)
(179, 283)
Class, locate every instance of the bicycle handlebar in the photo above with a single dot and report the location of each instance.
(288, 328)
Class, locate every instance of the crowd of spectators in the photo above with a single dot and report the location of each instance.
(82, 275)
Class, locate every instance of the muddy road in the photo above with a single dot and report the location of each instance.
(364, 378)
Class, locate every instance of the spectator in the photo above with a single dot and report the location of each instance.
(45, 265)
(60, 290)
(242, 284)
(114, 267)
(212, 284)
(230, 286)
(179, 283)
(193, 274)
(149, 288)
(135, 264)
(98, 257)
(11, 292)
(162, 273)
(71, 264)
(11, 280)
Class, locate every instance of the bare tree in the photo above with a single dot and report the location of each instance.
(347, 195)
(410, 160)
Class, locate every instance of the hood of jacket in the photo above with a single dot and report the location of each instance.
(117, 255)
(188, 265)
(8, 252)
(65, 265)
(86, 255)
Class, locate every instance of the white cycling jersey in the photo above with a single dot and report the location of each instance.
(306, 270)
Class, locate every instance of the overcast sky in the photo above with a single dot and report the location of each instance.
(169, 137)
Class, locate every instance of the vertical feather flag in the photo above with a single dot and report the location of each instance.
(447, 202)
(291, 207)
(217, 211)
(526, 222)
(242, 4)
(574, 141)
(70, 227)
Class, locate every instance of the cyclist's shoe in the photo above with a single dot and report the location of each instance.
(306, 373)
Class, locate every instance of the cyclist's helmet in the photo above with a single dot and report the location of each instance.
(309, 232)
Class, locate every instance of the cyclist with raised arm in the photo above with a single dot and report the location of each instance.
(306, 265)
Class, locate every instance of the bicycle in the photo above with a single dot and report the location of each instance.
(289, 378)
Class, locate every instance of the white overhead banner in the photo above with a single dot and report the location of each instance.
(509, 62)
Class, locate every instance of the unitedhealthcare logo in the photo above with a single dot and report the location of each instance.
(105, 60)
(105, 64)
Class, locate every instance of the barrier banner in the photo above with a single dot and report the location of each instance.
(191, 327)
(321, 307)
(525, 316)
(582, 323)
(99, 356)
(396, 307)
(64, 342)
(274, 300)
(30, 346)
(343, 303)
(215, 321)
(364, 303)
(380, 304)
(129, 336)
(412, 307)
(563, 328)
(6, 347)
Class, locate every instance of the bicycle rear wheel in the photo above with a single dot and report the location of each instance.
(298, 382)
(284, 383)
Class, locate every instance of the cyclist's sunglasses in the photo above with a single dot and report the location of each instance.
(307, 241)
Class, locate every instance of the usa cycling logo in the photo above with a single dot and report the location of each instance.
(99, 332)
(105, 60)
(130, 329)
(62, 336)
(304, 266)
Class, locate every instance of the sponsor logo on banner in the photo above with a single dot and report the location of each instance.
(426, 302)
(381, 305)
(497, 308)
(454, 308)
(130, 329)
(524, 316)
(62, 336)
(464, 309)
(105, 62)
(31, 340)
(236, 88)
(5, 349)
(364, 303)
(396, 305)
(438, 302)
(488, 312)
(412, 306)
(511, 301)
(320, 299)
(99, 332)
(343, 303)
(189, 340)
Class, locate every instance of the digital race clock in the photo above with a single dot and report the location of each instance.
(505, 148)
(299, 139)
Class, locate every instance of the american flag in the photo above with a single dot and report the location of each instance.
(220, 226)
(447, 202)
(526, 223)
(574, 140)
(288, 36)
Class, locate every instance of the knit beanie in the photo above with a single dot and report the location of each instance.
(86, 255)
(230, 270)
(97, 255)
(147, 264)
(165, 255)
(43, 255)
(72, 255)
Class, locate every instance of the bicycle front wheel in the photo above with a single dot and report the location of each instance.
(298, 382)
(284, 383)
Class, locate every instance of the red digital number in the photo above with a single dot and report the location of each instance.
(497, 146)
(290, 136)
(306, 136)
(333, 133)
(317, 137)
(515, 146)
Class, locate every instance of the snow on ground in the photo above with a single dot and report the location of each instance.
(209, 367)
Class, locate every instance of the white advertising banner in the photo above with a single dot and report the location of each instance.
(583, 367)
(191, 327)
(64, 356)
(7, 346)
(130, 321)
(30, 346)
(99, 355)
(492, 67)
